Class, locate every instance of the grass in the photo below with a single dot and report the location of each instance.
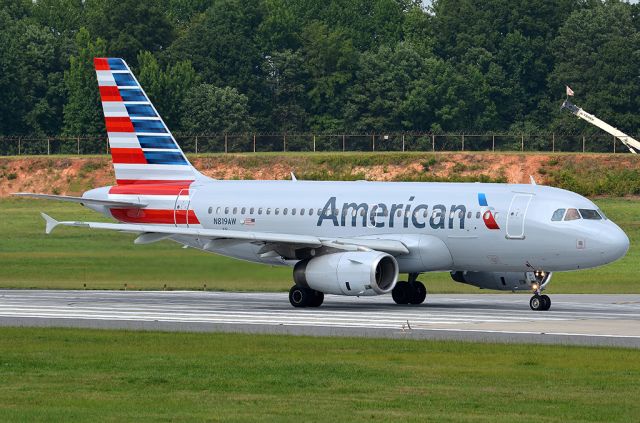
(89, 375)
(73, 257)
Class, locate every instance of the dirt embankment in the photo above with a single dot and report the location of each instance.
(74, 175)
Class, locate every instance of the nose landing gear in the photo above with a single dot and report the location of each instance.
(540, 302)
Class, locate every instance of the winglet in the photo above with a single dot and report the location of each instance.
(293, 177)
(533, 181)
(51, 223)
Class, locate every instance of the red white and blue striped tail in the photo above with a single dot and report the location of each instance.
(142, 147)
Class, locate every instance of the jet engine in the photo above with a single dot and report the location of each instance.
(503, 281)
(350, 273)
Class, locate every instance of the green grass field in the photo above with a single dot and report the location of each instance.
(73, 257)
(91, 375)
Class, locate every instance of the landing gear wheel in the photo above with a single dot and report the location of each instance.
(298, 296)
(316, 298)
(401, 293)
(546, 302)
(305, 297)
(419, 293)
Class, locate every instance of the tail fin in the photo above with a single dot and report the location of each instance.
(142, 147)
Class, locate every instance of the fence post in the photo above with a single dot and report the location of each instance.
(403, 143)
(314, 143)
(196, 144)
(462, 142)
(373, 142)
(433, 142)
(226, 144)
(19, 145)
(614, 144)
(493, 142)
(254, 142)
(48, 146)
(553, 142)
(78, 146)
(522, 143)
(107, 145)
(583, 143)
(284, 142)
(344, 143)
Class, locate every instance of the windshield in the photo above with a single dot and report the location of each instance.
(590, 214)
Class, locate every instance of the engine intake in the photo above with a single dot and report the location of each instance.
(350, 273)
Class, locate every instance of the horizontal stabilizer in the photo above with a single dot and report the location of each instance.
(50, 221)
(81, 200)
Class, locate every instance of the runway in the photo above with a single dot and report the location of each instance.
(612, 320)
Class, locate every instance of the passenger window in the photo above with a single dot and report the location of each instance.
(301, 212)
(210, 210)
(218, 210)
(589, 214)
(425, 214)
(243, 210)
(336, 212)
(557, 215)
(469, 215)
(226, 210)
(320, 211)
(235, 210)
(572, 214)
(268, 210)
(260, 210)
(277, 211)
(477, 215)
(285, 211)
(251, 210)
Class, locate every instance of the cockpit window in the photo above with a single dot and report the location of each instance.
(604, 216)
(557, 215)
(590, 214)
(572, 214)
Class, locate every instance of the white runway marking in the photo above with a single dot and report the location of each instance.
(584, 319)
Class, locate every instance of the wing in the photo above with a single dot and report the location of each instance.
(271, 241)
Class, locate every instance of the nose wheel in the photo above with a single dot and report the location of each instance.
(540, 302)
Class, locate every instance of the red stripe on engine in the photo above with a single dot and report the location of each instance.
(128, 156)
(152, 189)
(110, 94)
(167, 217)
(119, 124)
(101, 63)
(151, 181)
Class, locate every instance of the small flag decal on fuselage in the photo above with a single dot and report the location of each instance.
(249, 221)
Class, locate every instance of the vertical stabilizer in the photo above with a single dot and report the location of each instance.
(142, 147)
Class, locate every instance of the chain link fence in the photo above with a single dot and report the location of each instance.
(309, 142)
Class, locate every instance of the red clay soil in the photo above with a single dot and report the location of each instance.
(74, 175)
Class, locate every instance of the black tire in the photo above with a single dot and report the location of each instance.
(536, 303)
(418, 293)
(298, 296)
(401, 293)
(316, 298)
(547, 302)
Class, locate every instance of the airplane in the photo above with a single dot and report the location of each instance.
(341, 238)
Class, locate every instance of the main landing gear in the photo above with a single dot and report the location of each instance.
(305, 297)
(411, 292)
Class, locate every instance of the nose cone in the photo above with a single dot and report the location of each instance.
(614, 243)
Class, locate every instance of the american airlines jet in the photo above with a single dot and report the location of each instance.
(342, 238)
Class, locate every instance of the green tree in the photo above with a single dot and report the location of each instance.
(166, 88)
(286, 80)
(129, 26)
(209, 109)
(83, 110)
(331, 61)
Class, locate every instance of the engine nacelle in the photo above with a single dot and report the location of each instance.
(349, 273)
(503, 281)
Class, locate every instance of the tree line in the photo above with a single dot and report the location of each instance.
(214, 66)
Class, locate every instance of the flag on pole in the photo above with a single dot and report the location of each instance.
(569, 91)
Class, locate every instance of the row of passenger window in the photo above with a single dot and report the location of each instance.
(336, 212)
(575, 214)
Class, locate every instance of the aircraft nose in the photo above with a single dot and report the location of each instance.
(614, 243)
